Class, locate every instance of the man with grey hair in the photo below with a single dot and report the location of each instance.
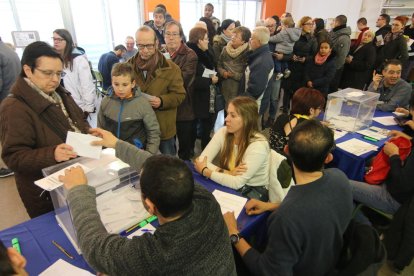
(161, 78)
(130, 48)
(259, 68)
(158, 25)
(341, 43)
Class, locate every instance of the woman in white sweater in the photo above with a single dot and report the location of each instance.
(243, 152)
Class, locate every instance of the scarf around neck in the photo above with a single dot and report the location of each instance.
(226, 38)
(233, 53)
(149, 65)
(319, 60)
(392, 36)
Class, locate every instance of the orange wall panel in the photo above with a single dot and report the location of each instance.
(173, 7)
(273, 7)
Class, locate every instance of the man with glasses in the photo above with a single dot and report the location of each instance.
(305, 238)
(130, 48)
(162, 80)
(186, 59)
(383, 25)
(394, 91)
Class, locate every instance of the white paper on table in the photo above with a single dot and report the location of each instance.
(355, 94)
(399, 114)
(357, 147)
(386, 121)
(380, 39)
(372, 134)
(148, 96)
(229, 202)
(207, 73)
(141, 231)
(52, 182)
(338, 133)
(63, 268)
(81, 144)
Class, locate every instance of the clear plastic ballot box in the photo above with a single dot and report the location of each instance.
(118, 195)
(351, 109)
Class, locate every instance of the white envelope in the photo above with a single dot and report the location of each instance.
(81, 144)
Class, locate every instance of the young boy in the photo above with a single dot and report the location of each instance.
(285, 40)
(127, 113)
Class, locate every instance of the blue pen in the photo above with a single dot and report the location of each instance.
(147, 230)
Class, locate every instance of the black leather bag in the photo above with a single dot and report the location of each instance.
(219, 102)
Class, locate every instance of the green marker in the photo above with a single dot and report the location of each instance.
(16, 245)
(370, 139)
(151, 219)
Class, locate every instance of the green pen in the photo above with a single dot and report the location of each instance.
(16, 245)
(370, 139)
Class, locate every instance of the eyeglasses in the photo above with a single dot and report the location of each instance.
(50, 73)
(172, 34)
(147, 46)
(56, 39)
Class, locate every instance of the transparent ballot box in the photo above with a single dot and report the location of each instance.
(351, 109)
(118, 195)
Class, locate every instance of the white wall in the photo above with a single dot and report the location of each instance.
(327, 9)
(371, 9)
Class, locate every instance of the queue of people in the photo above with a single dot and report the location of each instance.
(166, 89)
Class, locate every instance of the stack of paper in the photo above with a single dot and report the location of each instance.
(372, 134)
(62, 268)
(386, 121)
(357, 147)
(339, 133)
(229, 202)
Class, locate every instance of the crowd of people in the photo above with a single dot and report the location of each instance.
(166, 90)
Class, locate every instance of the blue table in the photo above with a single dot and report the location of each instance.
(36, 235)
(354, 166)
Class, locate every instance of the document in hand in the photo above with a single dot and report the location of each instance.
(229, 202)
(81, 144)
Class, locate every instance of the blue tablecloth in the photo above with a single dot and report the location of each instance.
(354, 166)
(36, 235)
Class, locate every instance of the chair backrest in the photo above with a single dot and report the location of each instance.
(280, 177)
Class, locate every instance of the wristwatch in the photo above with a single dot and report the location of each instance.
(235, 238)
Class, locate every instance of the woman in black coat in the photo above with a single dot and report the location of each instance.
(321, 69)
(395, 45)
(198, 42)
(359, 64)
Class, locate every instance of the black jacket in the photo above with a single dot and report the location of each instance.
(202, 85)
(321, 75)
(395, 49)
(358, 73)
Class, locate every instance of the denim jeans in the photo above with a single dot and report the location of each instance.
(168, 146)
(274, 97)
(375, 196)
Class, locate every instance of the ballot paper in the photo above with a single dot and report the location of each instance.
(81, 144)
(386, 121)
(380, 39)
(357, 147)
(339, 133)
(355, 94)
(207, 73)
(148, 96)
(372, 134)
(63, 268)
(52, 182)
(229, 202)
(141, 231)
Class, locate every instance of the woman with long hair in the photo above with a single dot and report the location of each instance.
(78, 77)
(243, 152)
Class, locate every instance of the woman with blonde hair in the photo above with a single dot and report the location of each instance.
(243, 152)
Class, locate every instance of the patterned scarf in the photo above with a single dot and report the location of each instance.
(233, 53)
(149, 66)
(392, 36)
(225, 37)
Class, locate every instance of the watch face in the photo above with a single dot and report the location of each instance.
(234, 238)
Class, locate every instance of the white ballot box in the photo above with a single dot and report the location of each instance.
(118, 194)
(351, 109)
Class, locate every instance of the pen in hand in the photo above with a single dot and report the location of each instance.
(62, 249)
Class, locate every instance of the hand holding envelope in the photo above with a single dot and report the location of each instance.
(81, 144)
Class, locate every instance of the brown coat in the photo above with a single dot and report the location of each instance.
(28, 141)
(186, 59)
(167, 84)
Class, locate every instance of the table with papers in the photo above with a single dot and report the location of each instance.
(36, 235)
(353, 150)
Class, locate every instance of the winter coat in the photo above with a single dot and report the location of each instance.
(358, 73)
(321, 75)
(201, 84)
(218, 44)
(341, 41)
(395, 49)
(186, 59)
(30, 129)
(285, 39)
